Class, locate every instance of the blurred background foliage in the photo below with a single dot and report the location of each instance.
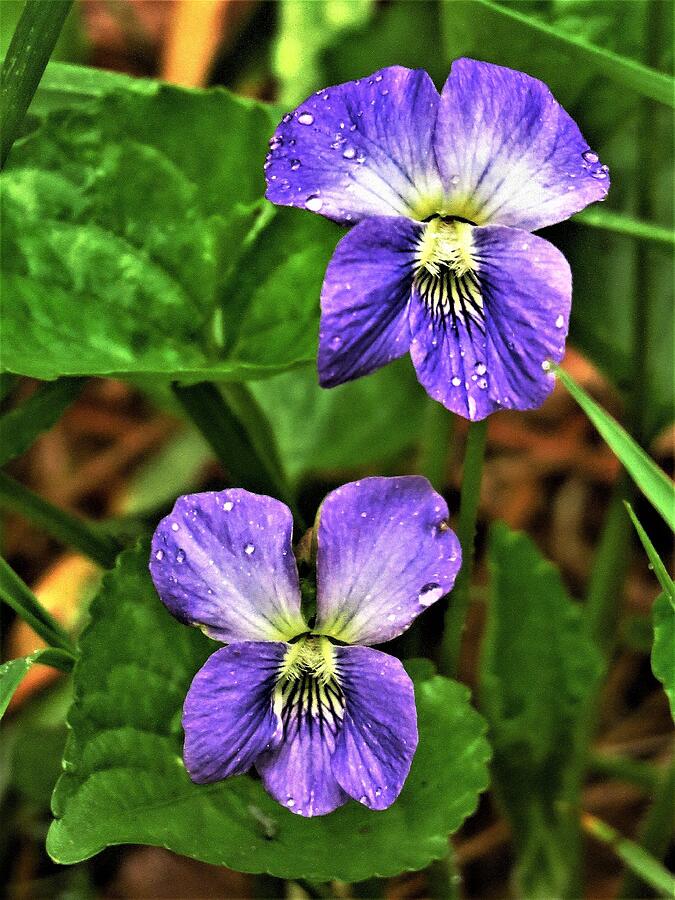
(106, 164)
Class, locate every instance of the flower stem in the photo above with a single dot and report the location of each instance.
(460, 597)
(65, 527)
(438, 429)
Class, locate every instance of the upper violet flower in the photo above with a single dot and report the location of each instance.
(443, 192)
(320, 720)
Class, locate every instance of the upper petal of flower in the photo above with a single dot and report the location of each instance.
(228, 716)
(363, 148)
(384, 555)
(378, 738)
(309, 702)
(365, 298)
(223, 560)
(482, 341)
(508, 152)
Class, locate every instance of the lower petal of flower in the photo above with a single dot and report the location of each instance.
(228, 716)
(490, 309)
(309, 705)
(378, 738)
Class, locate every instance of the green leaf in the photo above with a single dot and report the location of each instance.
(13, 672)
(652, 481)
(315, 429)
(663, 658)
(136, 242)
(21, 426)
(124, 780)
(501, 22)
(537, 669)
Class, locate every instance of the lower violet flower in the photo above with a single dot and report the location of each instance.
(320, 719)
(443, 192)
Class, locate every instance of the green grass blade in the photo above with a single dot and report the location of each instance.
(32, 45)
(652, 481)
(624, 71)
(14, 670)
(23, 601)
(620, 223)
(657, 565)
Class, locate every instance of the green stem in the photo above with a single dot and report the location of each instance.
(437, 434)
(236, 435)
(23, 601)
(641, 863)
(70, 530)
(31, 46)
(460, 598)
(655, 833)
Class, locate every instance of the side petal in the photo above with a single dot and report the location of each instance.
(362, 148)
(385, 554)
(223, 561)
(364, 299)
(228, 715)
(378, 738)
(501, 362)
(509, 153)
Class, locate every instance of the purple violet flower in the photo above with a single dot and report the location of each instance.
(443, 192)
(321, 721)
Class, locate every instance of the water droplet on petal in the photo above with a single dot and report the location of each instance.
(295, 165)
(590, 157)
(602, 172)
(313, 203)
(454, 179)
(349, 153)
(305, 118)
(480, 368)
(361, 158)
(174, 526)
(430, 593)
(559, 322)
(159, 555)
(482, 383)
(228, 505)
(287, 118)
(378, 78)
(290, 802)
(180, 556)
(363, 799)
(275, 142)
(249, 549)
(546, 365)
(456, 381)
(472, 408)
(336, 342)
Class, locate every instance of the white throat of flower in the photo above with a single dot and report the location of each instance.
(308, 685)
(445, 273)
